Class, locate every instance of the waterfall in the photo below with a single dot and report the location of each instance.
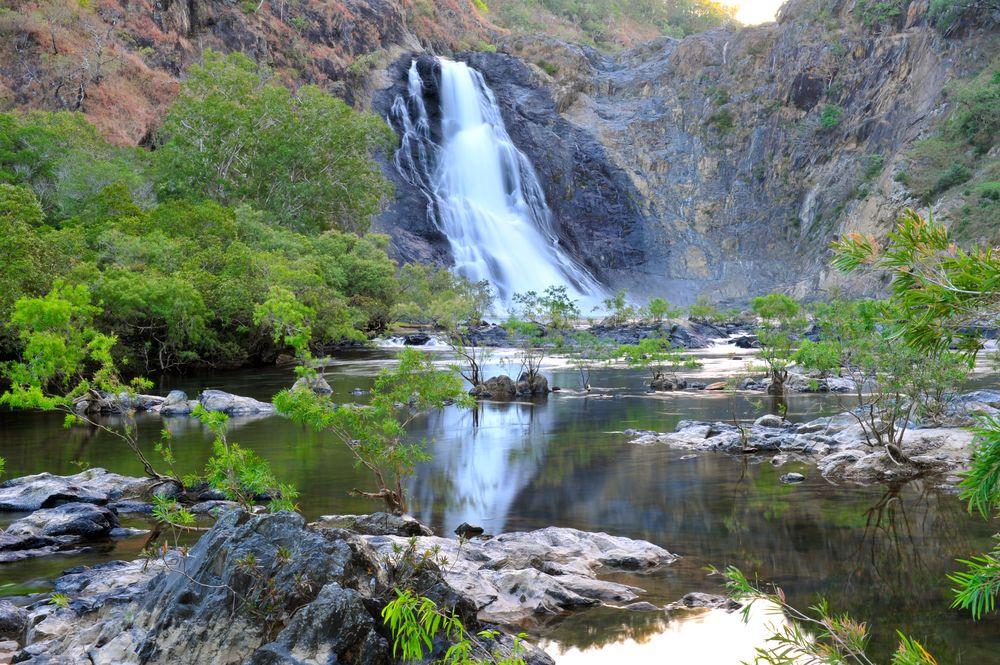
(482, 192)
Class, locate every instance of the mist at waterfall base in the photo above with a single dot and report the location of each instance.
(482, 192)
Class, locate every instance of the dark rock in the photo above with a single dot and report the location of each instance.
(82, 521)
(466, 530)
(746, 342)
(13, 622)
(416, 339)
(667, 383)
(497, 387)
(532, 386)
(697, 599)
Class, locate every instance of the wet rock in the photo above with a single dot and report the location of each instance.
(233, 405)
(317, 384)
(532, 386)
(792, 478)
(176, 403)
(466, 530)
(13, 622)
(46, 490)
(668, 383)
(697, 599)
(81, 521)
(642, 606)
(746, 342)
(416, 339)
(718, 385)
(498, 388)
(376, 524)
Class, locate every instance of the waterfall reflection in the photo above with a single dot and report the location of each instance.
(481, 460)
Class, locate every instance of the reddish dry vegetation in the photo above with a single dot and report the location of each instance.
(119, 61)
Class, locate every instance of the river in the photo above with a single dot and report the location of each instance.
(880, 554)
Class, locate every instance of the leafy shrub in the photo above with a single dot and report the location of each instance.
(830, 117)
(549, 68)
(976, 118)
(873, 166)
(875, 12)
(722, 120)
(955, 175)
(305, 159)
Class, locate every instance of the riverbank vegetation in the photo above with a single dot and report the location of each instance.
(251, 188)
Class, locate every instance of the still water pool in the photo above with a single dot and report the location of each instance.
(879, 553)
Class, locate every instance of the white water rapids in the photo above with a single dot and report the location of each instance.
(482, 192)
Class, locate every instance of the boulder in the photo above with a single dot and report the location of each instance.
(532, 386)
(416, 339)
(516, 576)
(667, 383)
(771, 421)
(317, 384)
(718, 385)
(375, 524)
(176, 403)
(466, 530)
(498, 387)
(13, 622)
(792, 478)
(80, 521)
(746, 342)
(46, 490)
(697, 599)
(233, 405)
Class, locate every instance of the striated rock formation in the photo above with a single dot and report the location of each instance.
(269, 589)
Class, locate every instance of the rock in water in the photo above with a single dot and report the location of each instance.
(233, 405)
(176, 403)
(45, 490)
(498, 387)
(416, 339)
(466, 530)
(792, 478)
(375, 524)
(317, 384)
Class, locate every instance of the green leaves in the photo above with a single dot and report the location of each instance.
(304, 158)
(239, 473)
(376, 433)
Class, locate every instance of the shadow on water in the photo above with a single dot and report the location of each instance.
(879, 554)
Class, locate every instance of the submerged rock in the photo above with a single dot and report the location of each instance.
(791, 478)
(697, 599)
(466, 530)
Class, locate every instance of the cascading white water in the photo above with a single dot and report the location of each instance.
(482, 191)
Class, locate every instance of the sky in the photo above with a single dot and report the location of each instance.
(752, 12)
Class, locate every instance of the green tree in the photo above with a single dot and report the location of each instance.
(781, 320)
(67, 365)
(660, 358)
(658, 309)
(304, 158)
(618, 309)
(940, 289)
(376, 433)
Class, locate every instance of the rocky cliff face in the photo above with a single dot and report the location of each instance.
(724, 163)
(719, 165)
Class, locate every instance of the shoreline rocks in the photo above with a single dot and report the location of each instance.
(317, 593)
(836, 445)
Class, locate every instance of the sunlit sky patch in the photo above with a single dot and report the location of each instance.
(752, 12)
